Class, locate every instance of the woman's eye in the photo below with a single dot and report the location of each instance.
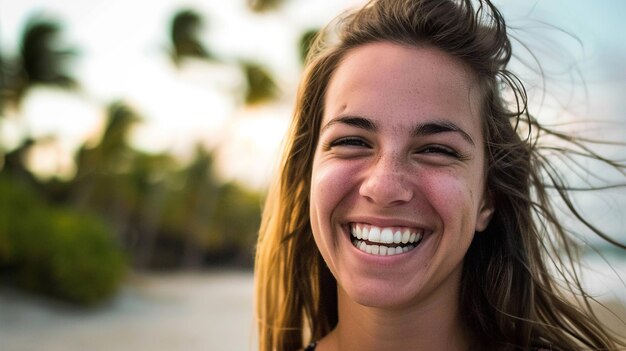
(349, 141)
(439, 150)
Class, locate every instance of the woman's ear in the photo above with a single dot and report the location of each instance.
(485, 212)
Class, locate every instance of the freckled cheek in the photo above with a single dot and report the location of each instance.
(451, 197)
(330, 188)
(331, 183)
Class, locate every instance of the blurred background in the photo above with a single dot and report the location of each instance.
(137, 140)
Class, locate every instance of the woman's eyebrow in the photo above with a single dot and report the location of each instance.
(421, 129)
(359, 122)
(441, 127)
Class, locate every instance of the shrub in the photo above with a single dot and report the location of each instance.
(55, 251)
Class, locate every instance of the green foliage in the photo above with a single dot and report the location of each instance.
(306, 41)
(264, 5)
(20, 212)
(43, 60)
(261, 85)
(152, 205)
(237, 215)
(56, 251)
(215, 215)
(185, 34)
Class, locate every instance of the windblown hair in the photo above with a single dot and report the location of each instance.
(510, 298)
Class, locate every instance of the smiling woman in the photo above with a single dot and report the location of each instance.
(412, 211)
(408, 165)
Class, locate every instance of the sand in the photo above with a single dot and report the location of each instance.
(178, 311)
(181, 311)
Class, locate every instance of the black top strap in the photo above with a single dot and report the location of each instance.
(311, 347)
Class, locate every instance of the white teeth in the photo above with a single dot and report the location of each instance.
(397, 237)
(406, 235)
(362, 234)
(382, 250)
(386, 236)
(374, 235)
(375, 249)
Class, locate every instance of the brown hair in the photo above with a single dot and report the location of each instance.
(508, 294)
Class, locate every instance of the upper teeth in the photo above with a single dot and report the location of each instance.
(385, 235)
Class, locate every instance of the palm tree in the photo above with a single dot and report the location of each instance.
(4, 94)
(150, 176)
(200, 198)
(261, 85)
(185, 31)
(100, 181)
(44, 60)
(3, 84)
(264, 5)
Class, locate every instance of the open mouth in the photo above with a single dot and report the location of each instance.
(384, 241)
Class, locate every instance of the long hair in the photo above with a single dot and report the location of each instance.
(509, 295)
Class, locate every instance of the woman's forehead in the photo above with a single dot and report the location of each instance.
(383, 80)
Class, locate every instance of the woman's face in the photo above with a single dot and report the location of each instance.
(398, 182)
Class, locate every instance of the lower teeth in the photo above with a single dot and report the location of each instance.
(381, 250)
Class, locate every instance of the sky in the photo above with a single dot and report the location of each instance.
(123, 55)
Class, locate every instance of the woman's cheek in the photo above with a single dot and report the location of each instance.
(333, 178)
(454, 197)
(447, 190)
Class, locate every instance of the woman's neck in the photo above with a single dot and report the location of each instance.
(434, 324)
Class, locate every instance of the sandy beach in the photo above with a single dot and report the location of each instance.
(179, 311)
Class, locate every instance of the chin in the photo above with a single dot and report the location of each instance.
(381, 294)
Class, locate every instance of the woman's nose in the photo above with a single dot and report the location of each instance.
(386, 184)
